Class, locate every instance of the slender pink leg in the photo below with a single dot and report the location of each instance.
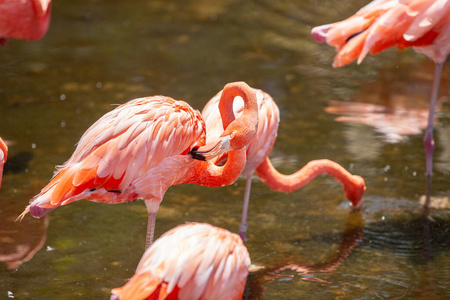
(243, 225)
(428, 139)
(150, 224)
(150, 229)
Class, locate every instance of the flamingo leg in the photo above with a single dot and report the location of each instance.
(243, 225)
(428, 140)
(150, 225)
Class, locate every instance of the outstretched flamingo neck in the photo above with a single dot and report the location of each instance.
(353, 185)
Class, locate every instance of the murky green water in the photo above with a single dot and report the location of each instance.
(99, 53)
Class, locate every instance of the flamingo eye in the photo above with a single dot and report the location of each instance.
(232, 134)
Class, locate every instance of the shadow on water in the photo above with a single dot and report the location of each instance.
(18, 163)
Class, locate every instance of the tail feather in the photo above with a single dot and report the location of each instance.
(70, 184)
(22, 215)
(142, 286)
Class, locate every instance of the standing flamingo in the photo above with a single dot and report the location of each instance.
(141, 148)
(421, 24)
(3, 157)
(24, 19)
(259, 148)
(191, 261)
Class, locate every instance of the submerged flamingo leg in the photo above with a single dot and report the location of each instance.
(428, 140)
(243, 225)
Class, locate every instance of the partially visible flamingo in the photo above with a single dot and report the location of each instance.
(190, 261)
(258, 160)
(24, 19)
(141, 148)
(421, 24)
(3, 157)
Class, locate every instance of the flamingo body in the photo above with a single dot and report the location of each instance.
(135, 151)
(258, 150)
(24, 19)
(191, 261)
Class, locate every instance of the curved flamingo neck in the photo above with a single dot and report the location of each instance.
(208, 174)
(240, 131)
(244, 128)
(353, 185)
(231, 91)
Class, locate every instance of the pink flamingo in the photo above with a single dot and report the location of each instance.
(421, 24)
(24, 19)
(141, 148)
(258, 161)
(3, 157)
(191, 261)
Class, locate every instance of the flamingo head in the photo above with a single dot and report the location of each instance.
(238, 132)
(354, 191)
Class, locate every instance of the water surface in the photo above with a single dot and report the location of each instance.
(98, 53)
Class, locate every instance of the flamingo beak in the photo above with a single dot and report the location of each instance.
(213, 149)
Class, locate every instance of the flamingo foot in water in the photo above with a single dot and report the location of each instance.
(242, 231)
(428, 143)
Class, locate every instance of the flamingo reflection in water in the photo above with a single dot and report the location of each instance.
(191, 261)
(390, 104)
(141, 148)
(24, 19)
(19, 242)
(258, 161)
(421, 24)
(285, 265)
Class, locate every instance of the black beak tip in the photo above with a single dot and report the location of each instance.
(196, 155)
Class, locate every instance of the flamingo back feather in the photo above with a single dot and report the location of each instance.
(191, 261)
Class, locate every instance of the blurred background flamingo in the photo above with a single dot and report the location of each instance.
(385, 102)
(24, 19)
(3, 157)
(421, 24)
(258, 156)
(190, 261)
(141, 148)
